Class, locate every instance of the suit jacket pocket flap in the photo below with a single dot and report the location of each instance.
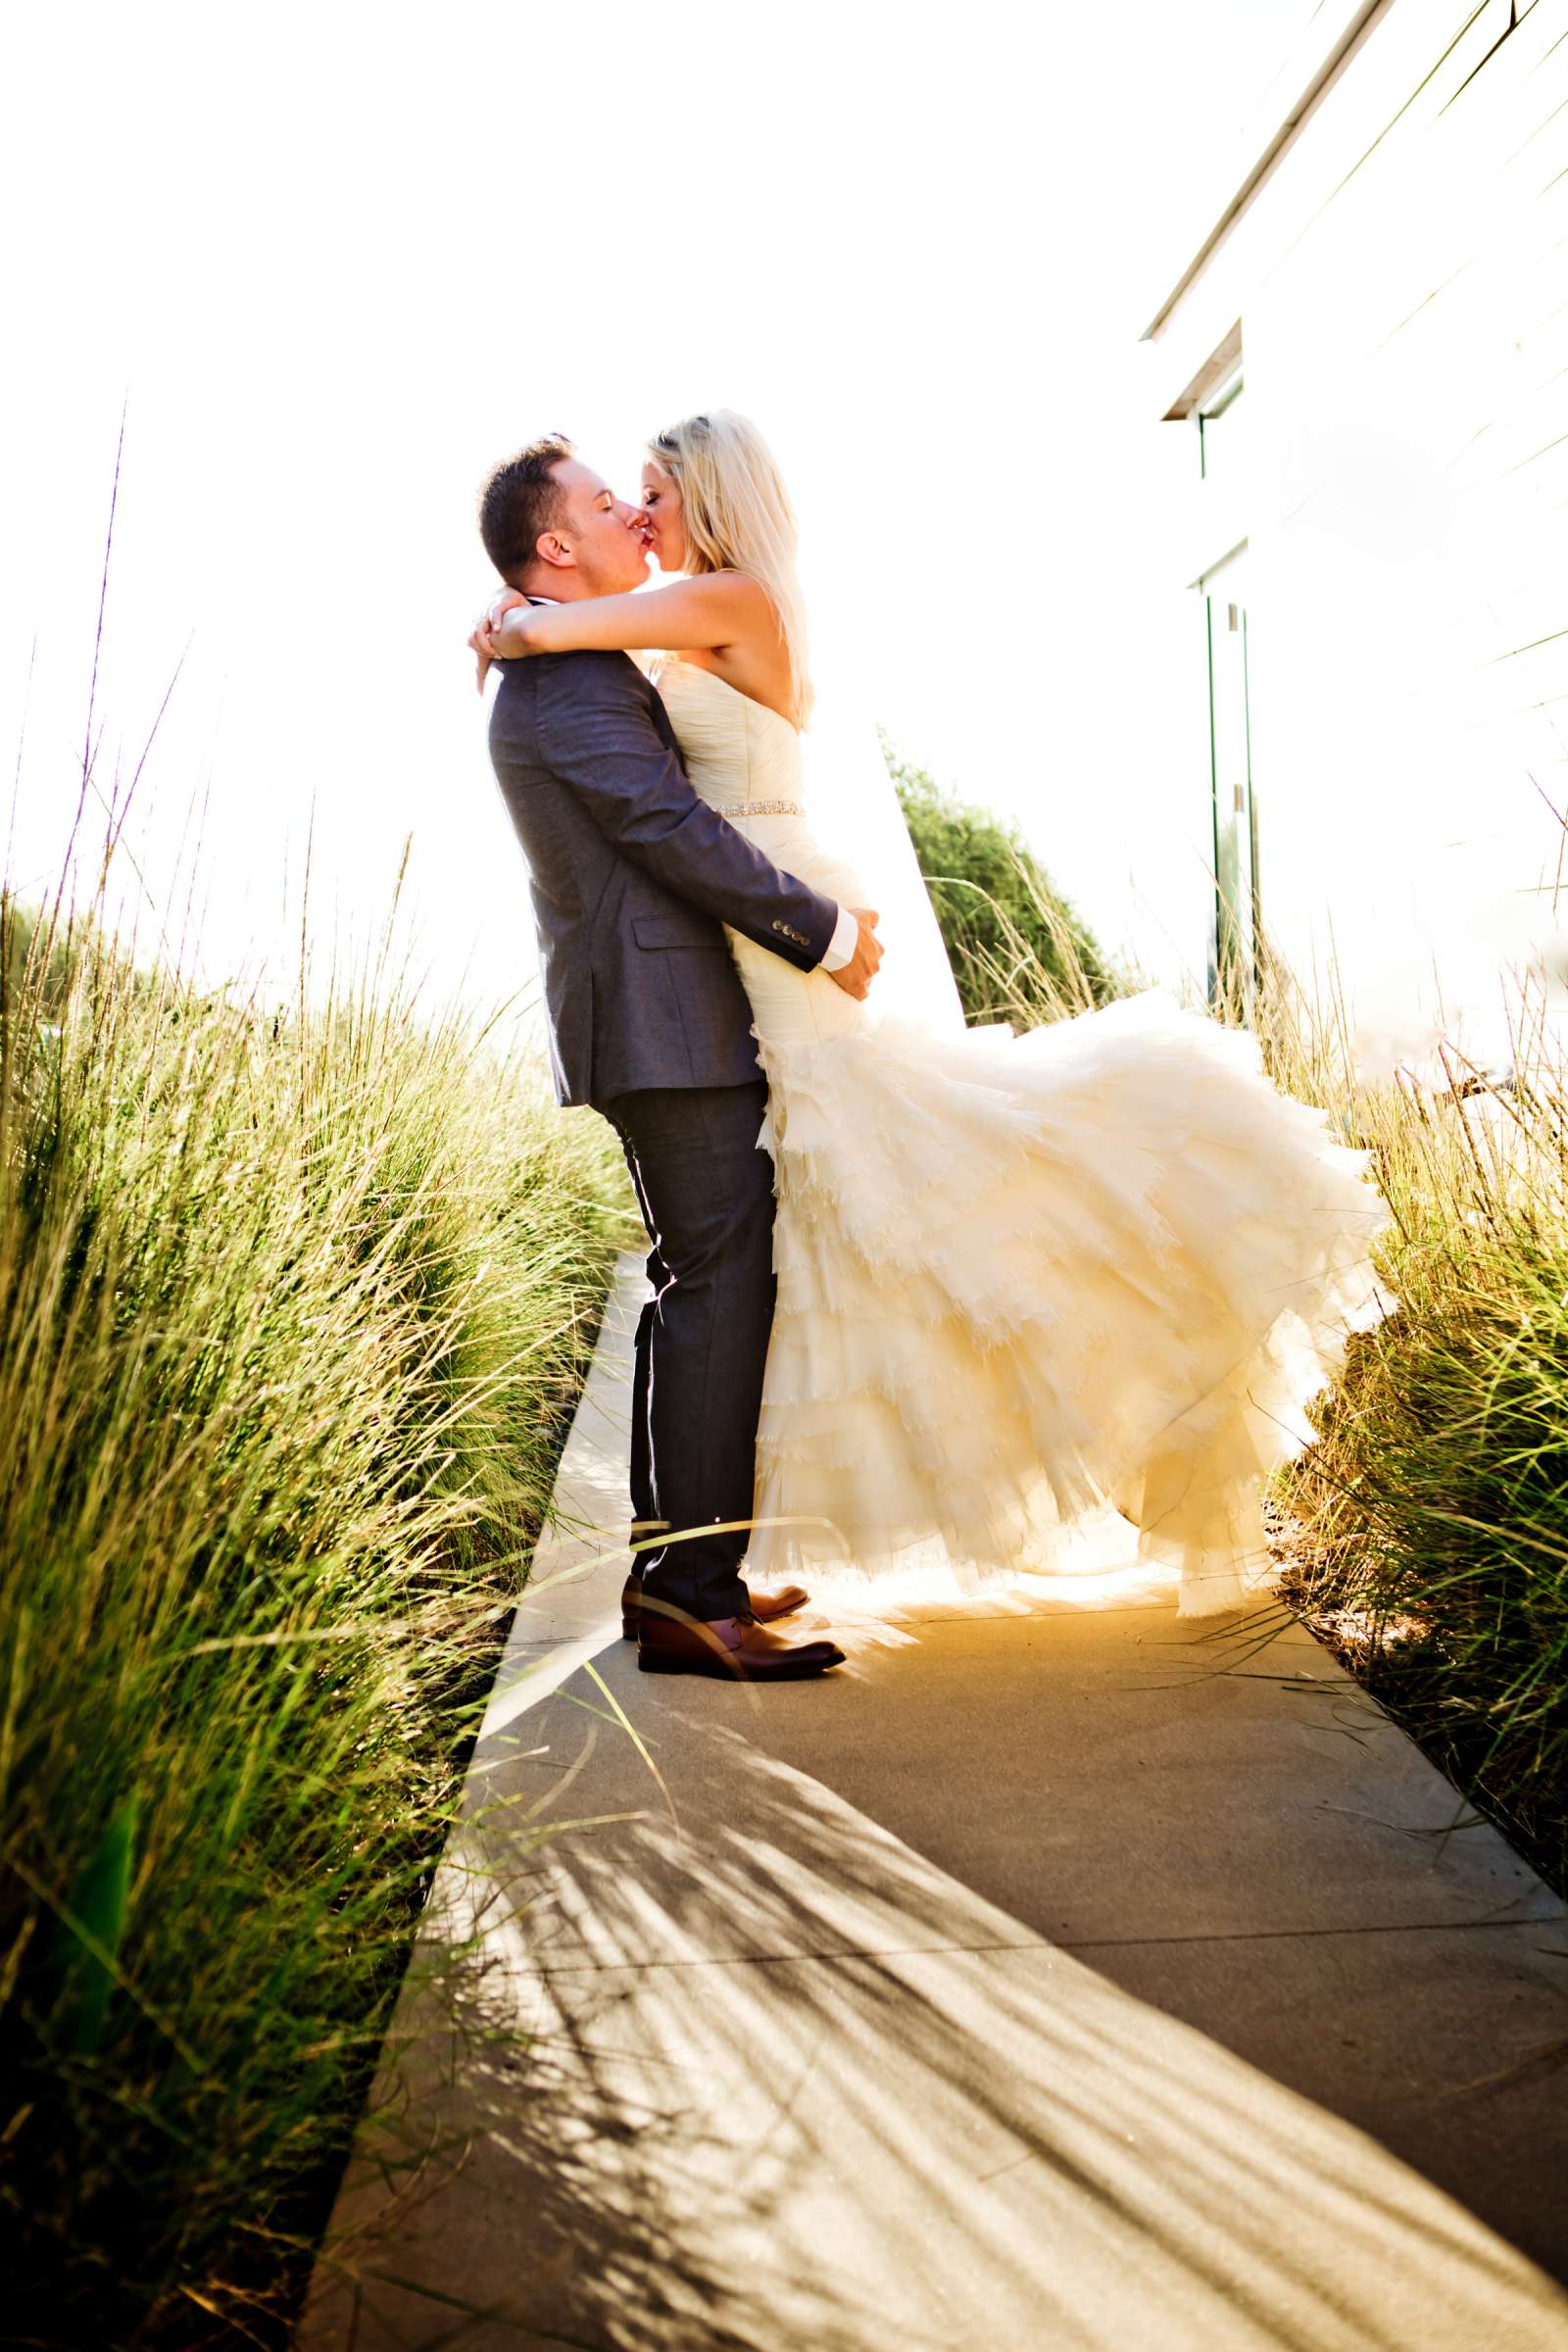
(668, 931)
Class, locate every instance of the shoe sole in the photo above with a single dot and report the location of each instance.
(628, 1623)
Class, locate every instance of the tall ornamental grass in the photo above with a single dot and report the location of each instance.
(1425, 1534)
(292, 1302)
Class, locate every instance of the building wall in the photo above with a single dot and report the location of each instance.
(1402, 281)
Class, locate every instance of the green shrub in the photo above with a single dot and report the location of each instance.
(290, 1307)
(1018, 951)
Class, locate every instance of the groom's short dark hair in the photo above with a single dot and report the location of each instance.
(521, 500)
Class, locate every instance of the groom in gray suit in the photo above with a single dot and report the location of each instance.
(632, 877)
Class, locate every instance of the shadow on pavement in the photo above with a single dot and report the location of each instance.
(769, 2078)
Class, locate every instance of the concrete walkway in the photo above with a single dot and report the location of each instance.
(1054, 1976)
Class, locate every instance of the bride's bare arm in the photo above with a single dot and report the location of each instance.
(716, 609)
(714, 613)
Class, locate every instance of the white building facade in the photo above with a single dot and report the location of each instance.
(1362, 361)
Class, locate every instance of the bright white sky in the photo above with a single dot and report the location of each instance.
(337, 258)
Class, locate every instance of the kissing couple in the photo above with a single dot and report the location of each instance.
(921, 1294)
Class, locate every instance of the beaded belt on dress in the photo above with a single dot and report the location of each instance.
(758, 808)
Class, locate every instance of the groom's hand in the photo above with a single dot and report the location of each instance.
(855, 976)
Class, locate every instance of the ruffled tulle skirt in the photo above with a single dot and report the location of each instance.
(1028, 1283)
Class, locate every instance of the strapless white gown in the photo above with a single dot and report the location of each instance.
(1025, 1283)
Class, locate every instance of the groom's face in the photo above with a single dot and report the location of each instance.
(600, 536)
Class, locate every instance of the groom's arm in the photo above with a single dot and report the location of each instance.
(595, 733)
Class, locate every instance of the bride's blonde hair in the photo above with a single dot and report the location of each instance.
(737, 516)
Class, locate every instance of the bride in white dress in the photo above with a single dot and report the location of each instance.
(1024, 1283)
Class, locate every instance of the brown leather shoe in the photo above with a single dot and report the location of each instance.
(765, 1606)
(737, 1649)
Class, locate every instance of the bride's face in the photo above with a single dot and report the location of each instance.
(661, 513)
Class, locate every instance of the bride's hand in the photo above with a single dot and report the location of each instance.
(484, 640)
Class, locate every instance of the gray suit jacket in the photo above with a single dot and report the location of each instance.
(632, 877)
